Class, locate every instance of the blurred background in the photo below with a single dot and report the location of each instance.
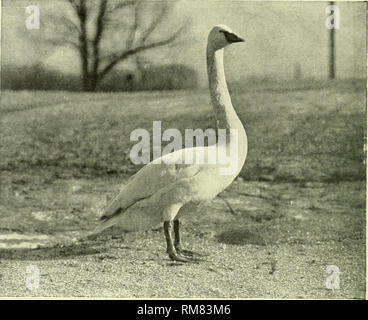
(298, 86)
(284, 41)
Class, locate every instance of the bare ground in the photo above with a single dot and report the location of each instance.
(275, 242)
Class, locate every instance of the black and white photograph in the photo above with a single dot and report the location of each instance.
(181, 149)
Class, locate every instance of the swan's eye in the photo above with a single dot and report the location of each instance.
(225, 33)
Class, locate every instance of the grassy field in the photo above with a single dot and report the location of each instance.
(298, 206)
(310, 135)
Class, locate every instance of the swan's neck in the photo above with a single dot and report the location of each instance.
(221, 101)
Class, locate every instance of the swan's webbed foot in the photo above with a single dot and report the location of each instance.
(177, 244)
(188, 253)
(174, 254)
(177, 257)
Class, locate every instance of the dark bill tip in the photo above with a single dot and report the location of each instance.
(232, 37)
(240, 40)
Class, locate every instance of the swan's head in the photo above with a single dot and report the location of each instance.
(221, 36)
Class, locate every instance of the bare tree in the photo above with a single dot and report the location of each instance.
(107, 32)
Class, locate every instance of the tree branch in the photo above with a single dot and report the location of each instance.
(133, 28)
(120, 5)
(60, 31)
(116, 58)
(62, 42)
(81, 10)
(100, 23)
(100, 26)
(155, 22)
(67, 23)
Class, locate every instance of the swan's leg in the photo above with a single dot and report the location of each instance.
(177, 241)
(170, 246)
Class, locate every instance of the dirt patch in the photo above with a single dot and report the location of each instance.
(241, 236)
(267, 240)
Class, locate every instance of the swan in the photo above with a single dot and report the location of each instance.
(161, 189)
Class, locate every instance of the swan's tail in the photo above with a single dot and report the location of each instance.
(111, 209)
(107, 223)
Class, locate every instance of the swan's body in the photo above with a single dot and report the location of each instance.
(159, 191)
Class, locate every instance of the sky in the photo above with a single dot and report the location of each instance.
(278, 36)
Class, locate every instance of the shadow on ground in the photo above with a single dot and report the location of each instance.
(51, 253)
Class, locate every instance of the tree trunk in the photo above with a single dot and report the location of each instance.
(83, 51)
(89, 83)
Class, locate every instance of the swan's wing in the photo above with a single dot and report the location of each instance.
(147, 181)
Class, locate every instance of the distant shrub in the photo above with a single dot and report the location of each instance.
(38, 77)
(272, 83)
(169, 77)
(164, 77)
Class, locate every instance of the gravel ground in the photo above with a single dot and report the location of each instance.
(275, 242)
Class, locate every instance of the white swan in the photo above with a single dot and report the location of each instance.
(159, 191)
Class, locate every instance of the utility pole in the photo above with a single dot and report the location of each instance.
(332, 65)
